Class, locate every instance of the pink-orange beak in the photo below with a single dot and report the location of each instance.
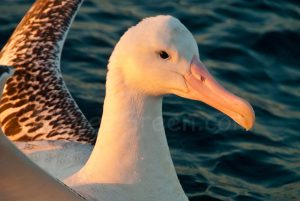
(203, 87)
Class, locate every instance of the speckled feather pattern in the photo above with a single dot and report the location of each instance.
(36, 104)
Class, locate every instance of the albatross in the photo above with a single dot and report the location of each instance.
(131, 158)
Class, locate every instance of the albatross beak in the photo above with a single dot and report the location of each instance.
(203, 87)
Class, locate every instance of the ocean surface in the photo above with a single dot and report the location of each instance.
(252, 47)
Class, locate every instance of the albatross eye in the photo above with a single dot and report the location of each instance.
(164, 55)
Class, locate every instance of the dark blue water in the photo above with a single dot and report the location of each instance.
(251, 47)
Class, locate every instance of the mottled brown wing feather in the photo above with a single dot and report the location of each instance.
(36, 103)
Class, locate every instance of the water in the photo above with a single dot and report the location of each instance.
(251, 47)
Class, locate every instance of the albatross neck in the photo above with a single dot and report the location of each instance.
(131, 147)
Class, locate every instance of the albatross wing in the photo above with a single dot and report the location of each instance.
(36, 103)
(21, 179)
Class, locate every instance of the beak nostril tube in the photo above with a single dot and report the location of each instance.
(206, 89)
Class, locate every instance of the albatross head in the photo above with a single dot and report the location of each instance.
(160, 56)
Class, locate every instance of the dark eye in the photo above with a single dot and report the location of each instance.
(163, 55)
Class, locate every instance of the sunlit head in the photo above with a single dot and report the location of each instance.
(159, 56)
(155, 54)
